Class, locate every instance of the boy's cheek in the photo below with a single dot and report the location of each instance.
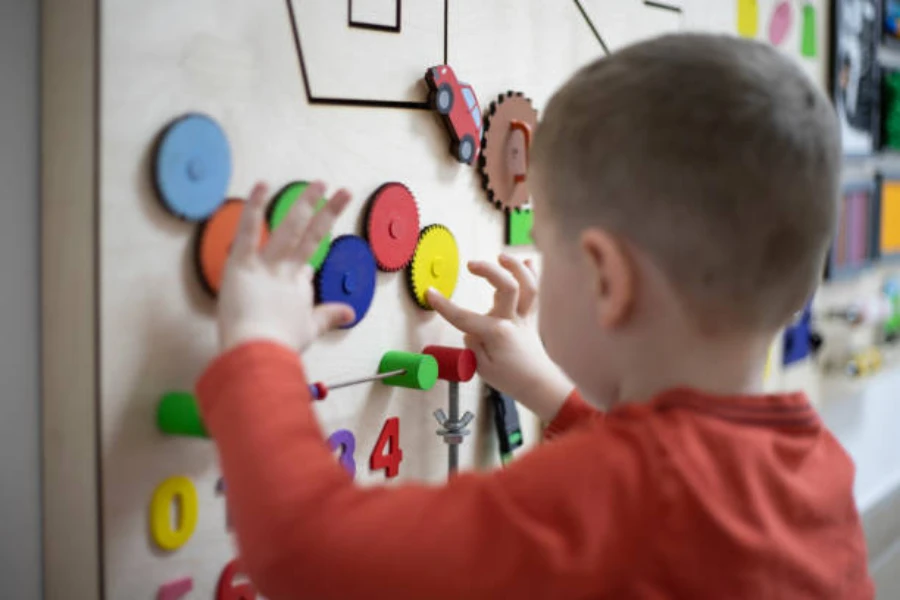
(548, 317)
(559, 316)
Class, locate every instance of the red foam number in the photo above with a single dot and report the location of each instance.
(228, 590)
(387, 453)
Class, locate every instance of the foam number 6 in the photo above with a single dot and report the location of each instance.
(390, 461)
(165, 536)
(344, 440)
(227, 589)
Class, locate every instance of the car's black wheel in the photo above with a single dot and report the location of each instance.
(443, 99)
(466, 151)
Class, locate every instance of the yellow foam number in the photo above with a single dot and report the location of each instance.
(179, 489)
(748, 18)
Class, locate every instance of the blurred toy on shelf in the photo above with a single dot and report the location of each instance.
(865, 362)
(891, 325)
(800, 339)
(861, 330)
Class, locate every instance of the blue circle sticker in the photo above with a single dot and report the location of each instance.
(193, 167)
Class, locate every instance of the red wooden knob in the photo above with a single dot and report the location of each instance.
(454, 364)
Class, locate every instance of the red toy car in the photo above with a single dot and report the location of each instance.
(457, 104)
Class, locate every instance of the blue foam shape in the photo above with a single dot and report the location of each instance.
(348, 276)
(796, 338)
(193, 167)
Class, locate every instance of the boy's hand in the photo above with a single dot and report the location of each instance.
(267, 293)
(511, 356)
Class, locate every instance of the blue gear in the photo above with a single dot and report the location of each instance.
(192, 167)
(347, 276)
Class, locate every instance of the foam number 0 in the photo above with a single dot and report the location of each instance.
(344, 440)
(179, 489)
(227, 589)
(387, 453)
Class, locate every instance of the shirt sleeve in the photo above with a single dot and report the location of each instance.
(562, 521)
(574, 412)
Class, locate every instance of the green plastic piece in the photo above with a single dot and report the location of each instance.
(519, 227)
(892, 324)
(515, 438)
(421, 370)
(281, 206)
(891, 110)
(178, 414)
(808, 45)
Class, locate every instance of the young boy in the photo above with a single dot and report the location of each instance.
(685, 193)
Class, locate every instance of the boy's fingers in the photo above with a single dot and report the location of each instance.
(506, 296)
(246, 240)
(464, 320)
(320, 224)
(289, 233)
(307, 273)
(527, 283)
(331, 316)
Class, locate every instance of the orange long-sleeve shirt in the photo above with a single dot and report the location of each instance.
(687, 496)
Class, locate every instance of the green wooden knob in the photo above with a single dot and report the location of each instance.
(178, 414)
(420, 370)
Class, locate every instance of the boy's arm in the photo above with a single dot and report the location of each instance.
(563, 521)
(573, 413)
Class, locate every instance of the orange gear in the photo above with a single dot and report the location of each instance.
(507, 135)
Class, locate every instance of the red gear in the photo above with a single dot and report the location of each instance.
(392, 226)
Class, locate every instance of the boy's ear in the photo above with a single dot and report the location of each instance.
(612, 276)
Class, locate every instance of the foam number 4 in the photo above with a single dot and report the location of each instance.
(172, 489)
(344, 440)
(387, 453)
(227, 589)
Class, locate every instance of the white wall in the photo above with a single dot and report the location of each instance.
(19, 302)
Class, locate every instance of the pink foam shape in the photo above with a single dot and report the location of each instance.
(781, 22)
(174, 590)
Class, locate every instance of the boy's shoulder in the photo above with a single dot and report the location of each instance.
(745, 483)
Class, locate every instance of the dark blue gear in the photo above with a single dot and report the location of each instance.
(347, 276)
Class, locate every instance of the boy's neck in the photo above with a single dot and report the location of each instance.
(720, 367)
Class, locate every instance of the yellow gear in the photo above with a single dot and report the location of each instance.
(435, 264)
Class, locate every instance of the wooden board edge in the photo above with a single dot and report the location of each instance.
(72, 559)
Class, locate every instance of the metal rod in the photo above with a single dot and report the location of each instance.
(453, 449)
(378, 377)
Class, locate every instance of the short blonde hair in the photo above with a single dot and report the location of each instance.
(717, 156)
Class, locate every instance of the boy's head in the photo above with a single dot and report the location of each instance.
(695, 168)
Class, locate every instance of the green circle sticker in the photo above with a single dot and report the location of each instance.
(282, 205)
